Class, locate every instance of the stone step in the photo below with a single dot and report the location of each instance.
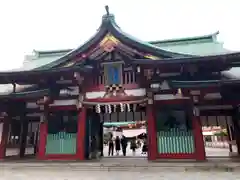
(147, 167)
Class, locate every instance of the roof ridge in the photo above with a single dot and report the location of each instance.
(193, 38)
(51, 51)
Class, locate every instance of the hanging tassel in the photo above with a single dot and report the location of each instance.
(109, 109)
(134, 107)
(98, 108)
(122, 107)
(115, 108)
(106, 109)
(128, 108)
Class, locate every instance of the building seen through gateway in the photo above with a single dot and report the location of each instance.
(62, 103)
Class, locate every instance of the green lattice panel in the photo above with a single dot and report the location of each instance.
(175, 141)
(61, 143)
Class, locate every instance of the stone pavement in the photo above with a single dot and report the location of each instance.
(71, 174)
(119, 168)
(124, 164)
(122, 168)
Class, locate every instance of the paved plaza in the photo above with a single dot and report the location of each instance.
(74, 174)
(122, 168)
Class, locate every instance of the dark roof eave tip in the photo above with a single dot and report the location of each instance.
(52, 51)
(193, 58)
(206, 82)
(53, 70)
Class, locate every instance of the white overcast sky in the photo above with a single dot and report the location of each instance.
(60, 24)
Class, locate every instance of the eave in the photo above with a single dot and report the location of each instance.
(36, 76)
(232, 58)
(25, 95)
(203, 84)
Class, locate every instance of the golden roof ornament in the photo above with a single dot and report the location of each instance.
(109, 43)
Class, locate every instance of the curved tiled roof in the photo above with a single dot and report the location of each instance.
(198, 46)
(109, 26)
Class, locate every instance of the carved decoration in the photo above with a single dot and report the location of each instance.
(78, 77)
(79, 101)
(150, 97)
(148, 73)
(138, 69)
(114, 91)
(109, 43)
(195, 99)
(149, 56)
(45, 100)
(196, 111)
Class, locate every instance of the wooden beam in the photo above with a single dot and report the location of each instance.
(214, 112)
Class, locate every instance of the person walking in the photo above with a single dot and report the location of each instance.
(133, 147)
(145, 147)
(139, 143)
(124, 145)
(117, 145)
(110, 146)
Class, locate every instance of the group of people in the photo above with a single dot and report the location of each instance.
(121, 143)
(118, 143)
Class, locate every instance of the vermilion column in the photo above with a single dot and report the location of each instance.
(152, 133)
(42, 140)
(3, 136)
(43, 132)
(81, 133)
(198, 136)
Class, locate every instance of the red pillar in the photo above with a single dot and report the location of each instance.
(42, 140)
(152, 133)
(43, 132)
(4, 137)
(81, 134)
(198, 137)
